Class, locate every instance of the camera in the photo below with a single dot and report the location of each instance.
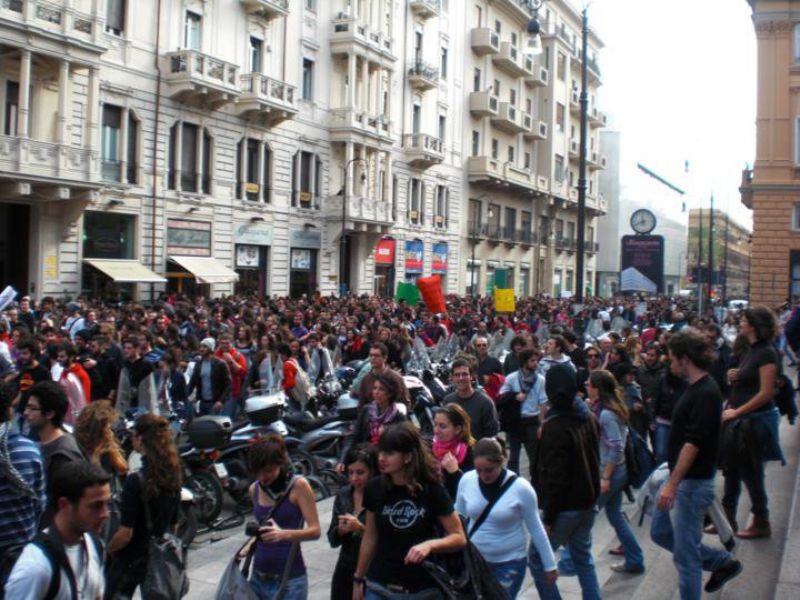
(251, 529)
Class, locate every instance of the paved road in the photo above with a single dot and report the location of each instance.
(764, 576)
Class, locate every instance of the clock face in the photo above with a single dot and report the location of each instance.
(643, 221)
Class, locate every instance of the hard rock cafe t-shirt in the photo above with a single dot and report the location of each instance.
(403, 520)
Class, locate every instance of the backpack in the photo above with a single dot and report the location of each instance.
(785, 398)
(53, 548)
(639, 461)
(166, 562)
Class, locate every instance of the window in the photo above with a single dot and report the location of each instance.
(497, 27)
(256, 52)
(590, 234)
(109, 143)
(511, 222)
(796, 217)
(416, 118)
(187, 172)
(476, 143)
(440, 214)
(569, 281)
(529, 106)
(512, 97)
(12, 108)
(797, 140)
(559, 169)
(252, 183)
(442, 128)
(310, 5)
(308, 79)
(443, 63)
(191, 30)
(474, 217)
(417, 45)
(495, 149)
(115, 16)
(395, 196)
(527, 160)
(526, 221)
(561, 67)
(570, 230)
(511, 154)
(494, 220)
(524, 281)
(476, 80)
(513, 39)
(559, 232)
(306, 180)
(132, 175)
(794, 261)
(797, 42)
(478, 16)
(497, 88)
(560, 116)
(416, 200)
(546, 57)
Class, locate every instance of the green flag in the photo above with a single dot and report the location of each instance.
(500, 278)
(408, 292)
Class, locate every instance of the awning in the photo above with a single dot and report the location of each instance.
(125, 271)
(206, 270)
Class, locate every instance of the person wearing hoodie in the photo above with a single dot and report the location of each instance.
(567, 480)
(555, 354)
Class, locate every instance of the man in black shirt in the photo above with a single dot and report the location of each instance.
(691, 453)
(486, 364)
(481, 410)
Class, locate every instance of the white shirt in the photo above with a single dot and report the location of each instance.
(30, 578)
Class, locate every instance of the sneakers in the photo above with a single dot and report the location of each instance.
(622, 568)
(723, 575)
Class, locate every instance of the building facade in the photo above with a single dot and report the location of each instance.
(629, 185)
(771, 188)
(730, 275)
(283, 147)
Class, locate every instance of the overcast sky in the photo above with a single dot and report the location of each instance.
(679, 82)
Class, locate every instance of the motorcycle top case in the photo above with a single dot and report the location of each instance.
(264, 410)
(210, 431)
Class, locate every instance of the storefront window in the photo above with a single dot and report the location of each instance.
(111, 236)
(251, 266)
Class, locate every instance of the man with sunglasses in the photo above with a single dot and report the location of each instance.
(594, 361)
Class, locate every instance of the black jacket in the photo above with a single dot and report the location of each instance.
(220, 380)
(350, 543)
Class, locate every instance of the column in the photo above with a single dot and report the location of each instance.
(351, 78)
(92, 120)
(243, 169)
(123, 144)
(296, 178)
(260, 171)
(62, 131)
(364, 85)
(387, 177)
(178, 154)
(313, 180)
(24, 93)
(348, 171)
(198, 164)
(387, 110)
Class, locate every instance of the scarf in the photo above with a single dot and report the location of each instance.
(456, 447)
(7, 469)
(378, 420)
(526, 381)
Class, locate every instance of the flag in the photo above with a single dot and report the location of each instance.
(407, 292)
(431, 290)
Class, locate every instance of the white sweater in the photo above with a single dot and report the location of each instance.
(501, 538)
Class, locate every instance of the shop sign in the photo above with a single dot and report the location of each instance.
(255, 234)
(300, 238)
(414, 251)
(247, 257)
(301, 260)
(384, 252)
(439, 263)
(188, 238)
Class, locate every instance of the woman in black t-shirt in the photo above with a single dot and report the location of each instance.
(159, 485)
(747, 417)
(404, 506)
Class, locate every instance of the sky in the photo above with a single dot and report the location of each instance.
(679, 82)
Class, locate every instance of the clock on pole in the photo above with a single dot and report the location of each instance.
(643, 221)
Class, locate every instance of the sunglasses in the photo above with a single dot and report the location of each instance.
(592, 356)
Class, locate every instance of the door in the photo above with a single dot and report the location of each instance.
(15, 222)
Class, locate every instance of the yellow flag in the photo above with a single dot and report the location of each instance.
(504, 300)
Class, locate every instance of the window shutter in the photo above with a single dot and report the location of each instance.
(115, 15)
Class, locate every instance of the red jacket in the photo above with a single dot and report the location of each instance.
(289, 375)
(86, 382)
(237, 378)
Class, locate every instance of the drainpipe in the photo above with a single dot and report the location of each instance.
(153, 197)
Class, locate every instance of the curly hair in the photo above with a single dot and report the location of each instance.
(95, 434)
(163, 473)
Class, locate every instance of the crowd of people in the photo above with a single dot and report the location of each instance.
(700, 390)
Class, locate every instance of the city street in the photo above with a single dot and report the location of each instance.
(770, 566)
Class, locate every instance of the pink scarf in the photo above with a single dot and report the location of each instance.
(456, 447)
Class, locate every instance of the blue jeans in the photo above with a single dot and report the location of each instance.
(612, 502)
(510, 575)
(296, 588)
(689, 554)
(661, 443)
(573, 529)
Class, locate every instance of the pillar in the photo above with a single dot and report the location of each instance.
(260, 172)
(24, 93)
(178, 154)
(387, 177)
(351, 78)
(348, 174)
(364, 85)
(124, 133)
(62, 132)
(92, 120)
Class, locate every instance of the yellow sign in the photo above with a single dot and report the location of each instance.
(251, 188)
(51, 267)
(504, 300)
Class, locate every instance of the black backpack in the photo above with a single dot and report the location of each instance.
(49, 542)
(639, 461)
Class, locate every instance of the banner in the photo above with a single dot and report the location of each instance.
(431, 290)
(414, 250)
(501, 278)
(384, 252)
(7, 296)
(408, 292)
(642, 264)
(504, 300)
(439, 262)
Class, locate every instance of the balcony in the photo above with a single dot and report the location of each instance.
(362, 214)
(596, 118)
(509, 235)
(563, 244)
(423, 150)
(520, 9)
(476, 230)
(575, 102)
(484, 169)
(350, 36)
(484, 41)
(425, 8)
(536, 131)
(352, 125)
(111, 170)
(596, 161)
(193, 76)
(508, 118)
(539, 77)
(593, 70)
(45, 160)
(508, 60)
(574, 149)
(83, 31)
(268, 9)
(494, 233)
(483, 104)
(746, 188)
(272, 99)
(422, 76)
(526, 237)
(591, 247)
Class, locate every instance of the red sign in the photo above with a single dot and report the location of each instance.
(384, 252)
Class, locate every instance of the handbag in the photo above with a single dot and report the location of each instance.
(234, 584)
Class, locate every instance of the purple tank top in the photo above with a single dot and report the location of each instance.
(271, 558)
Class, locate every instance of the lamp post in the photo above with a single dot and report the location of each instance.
(474, 230)
(343, 237)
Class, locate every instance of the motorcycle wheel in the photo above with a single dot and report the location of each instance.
(208, 492)
(187, 523)
(332, 479)
(321, 491)
(302, 462)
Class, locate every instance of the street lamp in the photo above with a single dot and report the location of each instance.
(343, 238)
(474, 237)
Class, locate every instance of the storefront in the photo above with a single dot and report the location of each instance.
(253, 241)
(413, 260)
(439, 263)
(384, 267)
(304, 247)
(191, 269)
(110, 269)
(491, 268)
(524, 289)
